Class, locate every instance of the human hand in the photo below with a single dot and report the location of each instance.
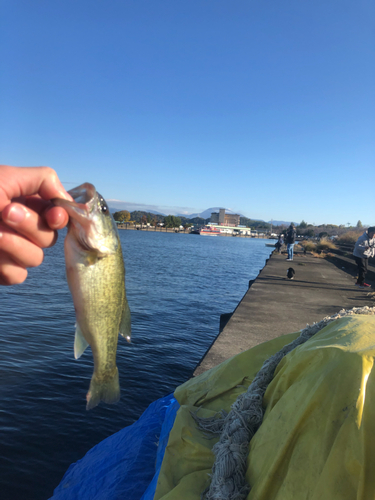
(28, 219)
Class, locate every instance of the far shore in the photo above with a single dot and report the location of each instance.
(154, 229)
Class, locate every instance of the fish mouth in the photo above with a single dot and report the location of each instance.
(83, 204)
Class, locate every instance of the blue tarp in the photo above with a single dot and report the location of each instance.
(169, 419)
(126, 465)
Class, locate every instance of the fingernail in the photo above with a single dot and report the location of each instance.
(16, 214)
(65, 195)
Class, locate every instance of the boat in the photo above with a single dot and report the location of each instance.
(209, 231)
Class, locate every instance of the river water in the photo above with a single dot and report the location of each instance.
(177, 287)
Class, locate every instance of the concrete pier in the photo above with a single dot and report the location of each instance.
(275, 305)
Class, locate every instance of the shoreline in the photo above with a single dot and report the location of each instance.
(186, 231)
(274, 305)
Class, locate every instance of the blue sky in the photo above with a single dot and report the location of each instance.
(260, 106)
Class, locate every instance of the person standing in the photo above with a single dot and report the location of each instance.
(363, 250)
(280, 243)
(290, 240)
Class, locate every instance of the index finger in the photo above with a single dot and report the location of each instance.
(26, 181)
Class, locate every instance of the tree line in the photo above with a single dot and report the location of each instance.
(141, 217)
(303, 228)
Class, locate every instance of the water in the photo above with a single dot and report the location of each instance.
(177, 287)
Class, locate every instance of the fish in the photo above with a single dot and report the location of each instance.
(96, 277)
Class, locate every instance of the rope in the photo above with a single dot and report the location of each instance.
(238, 426)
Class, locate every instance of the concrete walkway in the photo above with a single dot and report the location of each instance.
(275, 305)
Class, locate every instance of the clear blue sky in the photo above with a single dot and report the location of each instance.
(265, 107)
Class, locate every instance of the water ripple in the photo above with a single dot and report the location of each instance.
(177, 286)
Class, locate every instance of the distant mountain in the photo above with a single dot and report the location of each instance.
(116, 206)
(139, 215)
(279, 223)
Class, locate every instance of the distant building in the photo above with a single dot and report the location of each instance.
(222, 216)
(241, 230)
(224, 219)
(232, 219)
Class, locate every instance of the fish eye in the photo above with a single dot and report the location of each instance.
(103, 205)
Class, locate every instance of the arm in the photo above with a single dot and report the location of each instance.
(363, 250)
(28, 220)
(369, 251)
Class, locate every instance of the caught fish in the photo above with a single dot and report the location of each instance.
(96, 278)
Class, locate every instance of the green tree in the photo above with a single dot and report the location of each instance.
(359, 224)
(172, 221)
(122, 216)
(303, 225)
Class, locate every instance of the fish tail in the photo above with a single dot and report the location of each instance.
(107, 391)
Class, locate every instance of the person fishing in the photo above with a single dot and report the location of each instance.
(279, 243)
(28, 219)
(290, 240)
(363, 250)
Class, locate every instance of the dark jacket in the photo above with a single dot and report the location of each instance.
(290, 235)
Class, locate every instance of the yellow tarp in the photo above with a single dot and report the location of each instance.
(317, 439)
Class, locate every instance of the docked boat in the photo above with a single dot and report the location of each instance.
(209, 230)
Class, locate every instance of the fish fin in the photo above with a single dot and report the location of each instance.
(107, 391)
(125, 323)
(80, 343)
